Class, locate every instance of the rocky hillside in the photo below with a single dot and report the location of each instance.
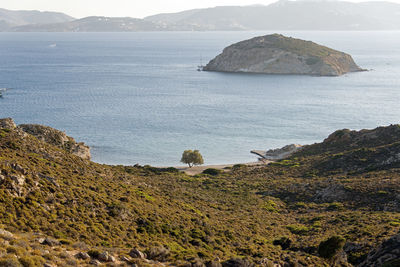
(51, 136)
(58, 209)
(277, 54)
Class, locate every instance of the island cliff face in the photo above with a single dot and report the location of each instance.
(277, 54)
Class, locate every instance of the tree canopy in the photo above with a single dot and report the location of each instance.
(192, 158)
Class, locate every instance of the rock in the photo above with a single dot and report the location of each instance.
(6, 234)
(51, 242)
(50, 179)
(213, 263)
(7, 123)
(135, 253)
(237, 262)
(57, 138)
(268, 263)
(125, 258)
(332, 193)
(18, 179)
(111, 258)
(95, 262)
(82, 256)
(198, 263)
(279, 153)
(158, 253)
(19, 168)
(277, 54)
(387, 254)
(103, 256)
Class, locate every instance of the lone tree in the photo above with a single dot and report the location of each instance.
(192, 158)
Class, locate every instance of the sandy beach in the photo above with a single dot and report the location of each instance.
(199, 169)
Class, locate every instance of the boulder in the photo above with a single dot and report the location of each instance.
(125, 258)
(387, 254)
(82, 256)
(158, 253)
(238, 262)
(7, 123)
(103, 256)
(95, 262)
(136, 253)
(6, 234)
(50, 242)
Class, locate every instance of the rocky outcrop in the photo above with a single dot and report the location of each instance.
(358, 151)
(57, 138)
(50, 136)
(277, 54)
(387, 254)
(279, 153)
(7, 123)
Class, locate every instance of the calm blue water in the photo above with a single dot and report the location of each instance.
(137, 97)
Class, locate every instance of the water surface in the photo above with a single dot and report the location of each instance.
(137, 97)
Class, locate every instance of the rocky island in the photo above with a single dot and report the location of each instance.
(277, 54)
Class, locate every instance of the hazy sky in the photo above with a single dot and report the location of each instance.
(131, 8)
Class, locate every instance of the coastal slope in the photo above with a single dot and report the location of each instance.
(277, 54)
(59, 209)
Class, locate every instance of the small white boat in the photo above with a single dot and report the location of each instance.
(2, 90)
(53, 45)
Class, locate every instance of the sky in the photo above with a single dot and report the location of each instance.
(124, 8)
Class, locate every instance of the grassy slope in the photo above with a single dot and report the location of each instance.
(239, 213)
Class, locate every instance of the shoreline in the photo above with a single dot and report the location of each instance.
(224, 167)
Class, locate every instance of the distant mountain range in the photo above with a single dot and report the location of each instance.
(282, 15)
(92, 24)
(10, 19)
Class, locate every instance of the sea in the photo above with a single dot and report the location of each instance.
(137, 98)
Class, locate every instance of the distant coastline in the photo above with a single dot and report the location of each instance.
(281, 15)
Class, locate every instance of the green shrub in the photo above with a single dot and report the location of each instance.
(335, 206)
(10, 262)
(298, 229)
(284, 242)
(32, 261)
(270, 205)
(212, 171)
(94, 253)
(239, 167)
(329, 248)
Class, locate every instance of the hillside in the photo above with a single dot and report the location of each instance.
(287, 15)
(60, 209)
(278, 54)
(11, 18)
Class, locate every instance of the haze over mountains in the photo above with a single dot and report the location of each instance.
(10, 19)
(282, 15)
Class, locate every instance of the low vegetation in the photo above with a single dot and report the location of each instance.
(303, 210)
